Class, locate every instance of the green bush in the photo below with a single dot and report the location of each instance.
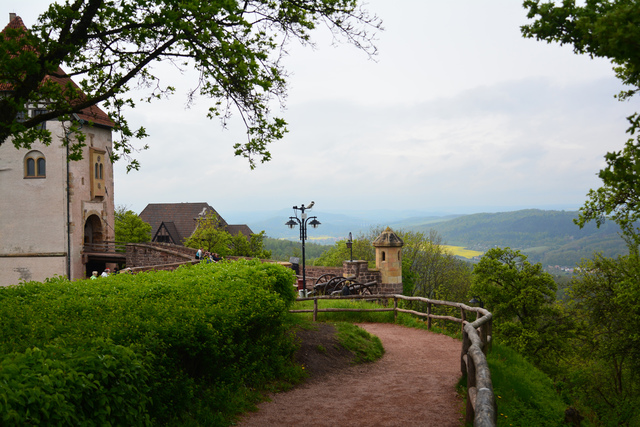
(96, 384)
(212, 330)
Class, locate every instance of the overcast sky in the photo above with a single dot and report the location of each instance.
(458, 114)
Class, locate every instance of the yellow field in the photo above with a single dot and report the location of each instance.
(461, 251)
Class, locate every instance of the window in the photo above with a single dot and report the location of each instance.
(98, 168)
(35, 165)
(37, 112)
(97, 173)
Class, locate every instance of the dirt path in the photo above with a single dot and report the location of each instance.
(412, 385)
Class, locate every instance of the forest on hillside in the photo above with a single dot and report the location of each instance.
(548, 237)
(283, 249)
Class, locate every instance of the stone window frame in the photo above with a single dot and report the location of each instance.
(35, 165)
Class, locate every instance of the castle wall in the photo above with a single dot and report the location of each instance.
(33, 210)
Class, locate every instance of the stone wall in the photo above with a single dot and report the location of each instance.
(360, 269)
(157, 254)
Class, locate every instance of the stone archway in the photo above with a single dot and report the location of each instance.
(93, 237)
(93, 230)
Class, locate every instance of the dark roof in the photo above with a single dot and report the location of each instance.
(240, 228)
(91, 114)
(388, 239)
(182, 215)
(169, 229)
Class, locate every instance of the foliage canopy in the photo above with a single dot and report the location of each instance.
(112, 47)
(211, 236)
(605, 298)
(129, 227)
(521, 296)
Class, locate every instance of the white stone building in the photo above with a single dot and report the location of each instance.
(50, 207)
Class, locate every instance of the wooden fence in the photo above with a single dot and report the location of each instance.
(476, 342)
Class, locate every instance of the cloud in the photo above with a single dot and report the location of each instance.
(457, 111)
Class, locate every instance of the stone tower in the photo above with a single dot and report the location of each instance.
(389, 261)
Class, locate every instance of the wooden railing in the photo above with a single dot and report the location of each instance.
(476, 342)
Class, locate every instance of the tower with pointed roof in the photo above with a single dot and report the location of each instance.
(389, 261)
(50, 208)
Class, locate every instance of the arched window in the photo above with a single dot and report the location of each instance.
(97, 173)
(98, 169)
(35, 165)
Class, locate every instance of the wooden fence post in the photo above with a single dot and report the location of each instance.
(395, 309)
(463, 316)
(429, 316)
(315, 309)
(471, 386)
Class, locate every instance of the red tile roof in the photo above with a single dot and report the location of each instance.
(182, 215)
(91, 114)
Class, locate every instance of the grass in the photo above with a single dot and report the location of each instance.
(462, 251)
(366, 347)
(524, 394)
(438, 326)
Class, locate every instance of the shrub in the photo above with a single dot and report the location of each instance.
(213, 330)
(98, 383)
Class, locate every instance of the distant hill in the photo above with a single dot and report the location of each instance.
(549, 237)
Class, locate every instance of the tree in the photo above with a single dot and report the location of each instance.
(235, 46)
(129, 227)
(431, 269)
(606, 299)
(254, 247)
(362, 249)
(521, 297)
(210, 235)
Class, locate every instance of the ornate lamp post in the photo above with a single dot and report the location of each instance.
(302, 222)
(476, 300)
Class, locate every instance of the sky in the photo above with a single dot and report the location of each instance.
(458, 113)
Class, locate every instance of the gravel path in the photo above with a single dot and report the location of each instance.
(412, 385)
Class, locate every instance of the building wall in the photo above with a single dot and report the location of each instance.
(84, 204)
(33, 211)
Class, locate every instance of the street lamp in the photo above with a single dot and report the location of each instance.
(476, 300)
(303, 221)
(350, 246)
